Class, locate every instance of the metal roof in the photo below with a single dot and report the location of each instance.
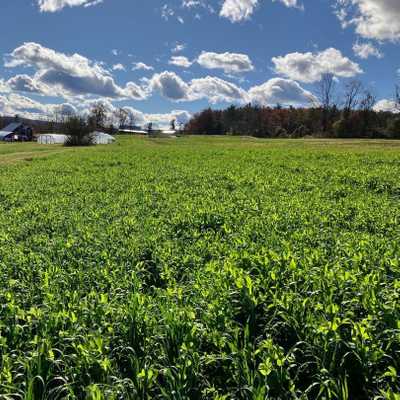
(132, 131)
(3, 134)
(11, 127)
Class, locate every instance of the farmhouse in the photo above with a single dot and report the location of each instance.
(17, 131)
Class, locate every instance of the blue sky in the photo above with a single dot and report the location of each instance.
(170, 58)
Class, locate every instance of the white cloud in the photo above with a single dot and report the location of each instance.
(213, 89)
(170, 86)
(159, 120)
(4, 87)
(366, 50)
(118, 67)
(241, 10)
(141, 66)
(373, 19)
(230, 63)
(12, 104)
(178, 48)
(70, 75)
(180, 61)
(216, 90)
(163, 120)
(282, 91)
(290, 3)
(192, 3)
(64, 109)
(238, 10)
(57, 5)
(25, 83)
(386, 105)
(310, 67)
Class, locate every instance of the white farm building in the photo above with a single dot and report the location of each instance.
(102, 138)
(53, 138)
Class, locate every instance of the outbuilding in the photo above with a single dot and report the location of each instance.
(96, 137)
(52, 138)
(16, 131)
(134, 131)
(102, 138)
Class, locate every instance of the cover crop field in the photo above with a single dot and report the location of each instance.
(200, 268)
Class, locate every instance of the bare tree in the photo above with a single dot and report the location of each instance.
(326, 93)
(121, 116)
(98, 115)
(367, 103)
(352, 93)
(173, 124)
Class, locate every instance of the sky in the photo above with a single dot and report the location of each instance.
(167, 59)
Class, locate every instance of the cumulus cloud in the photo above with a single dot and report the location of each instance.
(25, 83)
(160, 120)
(310, 67)
(366, 50)
(230, 63)
(57, 5)
(118, 67)
(170, 86)
(12, 103)
(64, 109)
(290, 3)
(4, 87)
(70, 75)
(386, 105)
(180, 61)
(216, 90)
(141, 66)
(372, 19)
(282, 91)
(163, 120)
(238, 10)
(241, 10)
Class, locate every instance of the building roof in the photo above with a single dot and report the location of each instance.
(102, 138)
(169, 132)
(132, 131)
(11, 127)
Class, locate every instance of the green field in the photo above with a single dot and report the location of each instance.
(200, 268)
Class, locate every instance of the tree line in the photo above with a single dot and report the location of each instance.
(350, 115)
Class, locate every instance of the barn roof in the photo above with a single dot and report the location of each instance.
(11, 127)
